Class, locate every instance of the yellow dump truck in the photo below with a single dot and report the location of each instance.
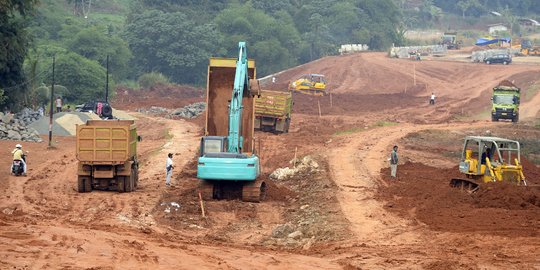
(273, 111)
(107, 154)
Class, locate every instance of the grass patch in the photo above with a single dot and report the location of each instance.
(360, 129)
(167, 134)
(531, 91)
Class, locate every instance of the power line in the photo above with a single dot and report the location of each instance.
(26, 82)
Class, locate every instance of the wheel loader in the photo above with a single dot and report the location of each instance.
(311, 84)
(489, 159)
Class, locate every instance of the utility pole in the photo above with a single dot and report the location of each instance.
(51, 112)
(107, 82)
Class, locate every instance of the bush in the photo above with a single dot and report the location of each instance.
(148, 80)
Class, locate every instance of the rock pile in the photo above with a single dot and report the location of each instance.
(190, 111)
(15, 127)
(306, 165)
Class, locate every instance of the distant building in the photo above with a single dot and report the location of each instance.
(498, 27)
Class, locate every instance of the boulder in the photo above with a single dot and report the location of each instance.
(14, 135)
(282, 230)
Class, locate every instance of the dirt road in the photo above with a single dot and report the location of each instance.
(349, 214)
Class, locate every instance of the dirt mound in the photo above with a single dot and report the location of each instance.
(166, 96)
(422, 193)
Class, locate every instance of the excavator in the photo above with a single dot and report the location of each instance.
(489, 159)
(311, 84)
(227, 161)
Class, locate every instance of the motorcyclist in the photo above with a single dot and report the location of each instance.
(18, 154)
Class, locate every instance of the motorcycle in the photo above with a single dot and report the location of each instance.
(18, 166)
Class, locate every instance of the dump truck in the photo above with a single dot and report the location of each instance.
(505, 102)
(227, 164)
(310, 84)
(107, 155)
(489, 159)
(273, 111)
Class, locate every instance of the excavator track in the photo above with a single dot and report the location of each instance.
(465, 185)
(206, 188)
(254, 191)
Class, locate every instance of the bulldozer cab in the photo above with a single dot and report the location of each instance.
(491, 159)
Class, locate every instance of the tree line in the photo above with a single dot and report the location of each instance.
(176, 38)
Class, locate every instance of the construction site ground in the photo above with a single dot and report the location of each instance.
(345, 212)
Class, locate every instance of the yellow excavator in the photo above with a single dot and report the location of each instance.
(489, 159)
(311, 84)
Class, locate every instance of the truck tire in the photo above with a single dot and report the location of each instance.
(84, 184)
(515, 119)
(80, 184)
(106, 111)
(128, 183)
(120, 184)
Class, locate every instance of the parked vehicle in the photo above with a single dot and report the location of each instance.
(93, 106)
(504, 59)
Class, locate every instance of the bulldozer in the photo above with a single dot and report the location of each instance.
(489, 159)
(311, 84)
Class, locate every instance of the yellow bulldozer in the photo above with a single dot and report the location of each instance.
(489, 159)
(311, 84)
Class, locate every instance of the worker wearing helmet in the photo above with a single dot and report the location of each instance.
(18, 154)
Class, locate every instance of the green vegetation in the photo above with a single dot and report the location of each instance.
(151, 79)
(176, 38)
(377, 124)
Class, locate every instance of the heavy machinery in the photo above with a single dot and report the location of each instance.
(273, 111)
(311, 84)
(489, 159)
(227, 162)
(505, 102)
(450, 40)
(107, 154)
(527, 48)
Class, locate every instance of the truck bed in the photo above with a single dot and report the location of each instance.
(220, 83)
(106, 141)
(273, 104)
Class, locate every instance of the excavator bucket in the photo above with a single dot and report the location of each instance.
(464, 185)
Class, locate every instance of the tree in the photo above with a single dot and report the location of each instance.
(83, 78)
(273, 42)
(172, 44)
(94, 43)
(14, 43)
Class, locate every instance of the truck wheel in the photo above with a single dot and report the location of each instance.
(515, 119)
(80, 182)
(120, 183)
(84, 184)
(128, 183)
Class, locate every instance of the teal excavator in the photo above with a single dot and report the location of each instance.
(226, 164)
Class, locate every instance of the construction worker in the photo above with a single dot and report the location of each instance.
(18, 154)
(170, 167)
(432, 99)
(393, 161)
(58, 102)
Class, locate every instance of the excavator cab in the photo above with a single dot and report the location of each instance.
(311, 84)
(489, 159)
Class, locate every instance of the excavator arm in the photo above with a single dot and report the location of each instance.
(241, 84)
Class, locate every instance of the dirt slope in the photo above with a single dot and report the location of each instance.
(351, 215)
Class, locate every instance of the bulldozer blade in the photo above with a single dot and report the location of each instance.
(464, 185)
